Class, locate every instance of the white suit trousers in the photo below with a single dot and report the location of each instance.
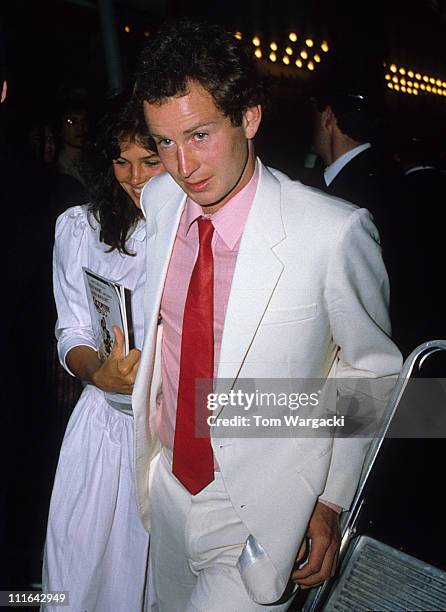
(196, 541)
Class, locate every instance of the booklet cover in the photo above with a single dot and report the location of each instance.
(109, 305)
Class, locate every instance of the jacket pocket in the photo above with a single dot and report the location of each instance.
(289, 315)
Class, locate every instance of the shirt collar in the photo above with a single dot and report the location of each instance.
(331, 171)
(229, 221)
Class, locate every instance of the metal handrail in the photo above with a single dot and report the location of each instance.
(350, 518)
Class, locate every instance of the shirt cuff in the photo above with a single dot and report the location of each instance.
(335, 507)
(66, 347)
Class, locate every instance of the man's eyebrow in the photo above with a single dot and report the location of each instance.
(200, 125)
(188, 131)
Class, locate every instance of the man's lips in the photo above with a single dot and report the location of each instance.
(197, 186)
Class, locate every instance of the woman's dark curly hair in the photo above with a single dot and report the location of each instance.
(110, 205)
(184, 51)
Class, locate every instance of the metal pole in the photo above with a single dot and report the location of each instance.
(111, 46)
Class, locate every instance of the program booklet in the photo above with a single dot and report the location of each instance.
(110, 305)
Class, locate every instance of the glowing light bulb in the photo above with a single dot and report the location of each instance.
(428, 88)
(258, 53)
(317, 58)
(238, 35)
(256, 41)
(402, 71)
(395, 79)
(396, 87)
(272, 56)
(127, 29)
(286, 59)
(324, 46)
(432, 80)
(304, 54)
(310, 66)
(299, 63)
(415, 92)
(289, 51)
(273, 46)
(423, 87)
(418, 76)
(309, 42)
(292, 36)
(403, 81)
(438, 83)
(390, 85)
(393, 68)
(410, 74)
(387, 77)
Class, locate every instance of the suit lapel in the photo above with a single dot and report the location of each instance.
(256, 274)
(159, 248)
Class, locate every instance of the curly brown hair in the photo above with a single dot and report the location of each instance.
(185, 51)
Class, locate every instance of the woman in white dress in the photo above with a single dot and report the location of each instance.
(96, 547)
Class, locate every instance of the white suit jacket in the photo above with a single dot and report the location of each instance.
(309, 299)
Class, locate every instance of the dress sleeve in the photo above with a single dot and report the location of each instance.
(73, 326)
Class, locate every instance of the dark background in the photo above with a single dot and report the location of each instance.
(55, 44)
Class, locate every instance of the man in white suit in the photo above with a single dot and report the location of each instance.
(299, 291)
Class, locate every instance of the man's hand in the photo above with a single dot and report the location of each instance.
(117, 373)
(323, 530)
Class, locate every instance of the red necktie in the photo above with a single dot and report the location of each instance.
(193, 461)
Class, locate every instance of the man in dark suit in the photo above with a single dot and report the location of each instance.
(347, 115)
(427, 186)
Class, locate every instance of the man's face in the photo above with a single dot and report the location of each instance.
(209, 158)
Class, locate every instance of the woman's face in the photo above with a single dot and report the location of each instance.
(134, 167)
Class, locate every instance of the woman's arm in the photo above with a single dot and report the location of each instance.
(116, 374)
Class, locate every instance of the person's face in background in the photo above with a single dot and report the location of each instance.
(74, 128)
(42, 143)
(49, 145)
(134, 167)
(4, 89)
(209, 158)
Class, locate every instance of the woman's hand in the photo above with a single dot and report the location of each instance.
(116, 374)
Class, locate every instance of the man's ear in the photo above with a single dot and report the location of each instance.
(4, 91)
(328, 118)
(251, 121)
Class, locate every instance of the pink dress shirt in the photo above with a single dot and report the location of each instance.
(229, 223)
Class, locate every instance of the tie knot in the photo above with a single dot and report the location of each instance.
(205, 230)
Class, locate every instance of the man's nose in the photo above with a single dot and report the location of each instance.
(187, 163)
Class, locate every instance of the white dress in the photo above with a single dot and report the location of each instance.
(96, 547)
